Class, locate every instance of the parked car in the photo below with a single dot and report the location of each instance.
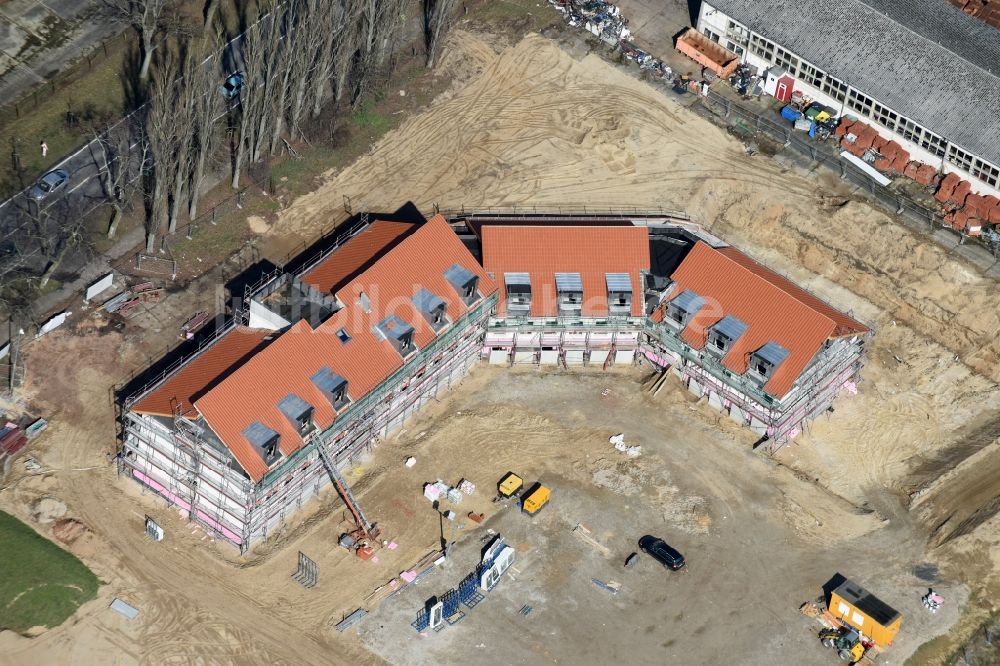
(49, 184)
(659, 550)
(232, 85)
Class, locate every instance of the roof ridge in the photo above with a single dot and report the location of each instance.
(766, 281)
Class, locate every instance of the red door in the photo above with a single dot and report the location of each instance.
(783, 91)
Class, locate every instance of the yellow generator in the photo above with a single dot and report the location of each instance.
(509, 486)
(535, 499)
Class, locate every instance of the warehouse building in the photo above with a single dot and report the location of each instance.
(923, 72)
(324, 360)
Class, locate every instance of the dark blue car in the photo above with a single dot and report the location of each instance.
(659, 550)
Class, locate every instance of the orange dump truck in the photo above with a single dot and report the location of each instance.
(707, 53)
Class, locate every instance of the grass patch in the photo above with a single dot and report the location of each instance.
(42, 584)
(367, 118)
(514, 17)
(92, 93)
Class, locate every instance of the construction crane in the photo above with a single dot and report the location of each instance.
(365, 533)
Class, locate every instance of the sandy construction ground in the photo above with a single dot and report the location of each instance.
(539, 123)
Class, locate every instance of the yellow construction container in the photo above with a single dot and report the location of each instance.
(536, 498)
(510, 484)
(859, 608)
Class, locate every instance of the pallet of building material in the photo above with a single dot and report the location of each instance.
(114, 303)
(151, 295)
(36, 428)
(141, 287)
(14, 442)
(130, 308)
(196, 321)
(383, 592)
(610, 586)
(583, 534)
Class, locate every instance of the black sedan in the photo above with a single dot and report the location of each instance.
(659, 550)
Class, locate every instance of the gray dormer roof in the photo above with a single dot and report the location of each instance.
(459, 276)
(294, 407)
(517, 283)
(619, 282)
(327, 380)
(731, 327)
(427, 302)
(568, 282)
(688, 301)
(773, 353)
(394, 328)
(259, 435)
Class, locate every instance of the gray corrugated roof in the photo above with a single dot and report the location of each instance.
(619, 282)
(394, 328)
(259, 434)
(925, 59)
(516, 278)
(688, 301)
(568, 282)
(731, 327)
(459, 276)
(773, 353)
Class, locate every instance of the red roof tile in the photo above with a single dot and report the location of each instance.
(252, 392)
(211, 365)
(846, 325)
(590, 251)
(732, 284)
(354, 256)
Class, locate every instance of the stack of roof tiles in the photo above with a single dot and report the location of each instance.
(987, 11)
(894, 158)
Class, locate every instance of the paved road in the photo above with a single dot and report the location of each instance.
(38, 39)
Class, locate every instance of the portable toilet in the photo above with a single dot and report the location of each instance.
(778, 84)
(859, 608)
(535, 499)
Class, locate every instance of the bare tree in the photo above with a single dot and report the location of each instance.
(161, 133)
(346, 52)
(331, 25)
(314, 36)
(437, 14)
(149, 19)
(183, 96)
(207, 106)
(123, 150)
(252, 98)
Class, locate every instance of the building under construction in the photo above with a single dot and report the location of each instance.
(321, 362)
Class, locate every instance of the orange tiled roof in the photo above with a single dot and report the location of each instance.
(733, 284)
(252, 392)
(846, 325)
(590, 251)
(354, 256)
(182, 388)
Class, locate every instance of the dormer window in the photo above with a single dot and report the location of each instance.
(619, 293)
(518, 286)
(726, 332)
(299, 413)
(333, 386)
(569, 288)
(682, 308)
(465, 283)
(432, 308)
(765, 361)
(399, 333)
(264, 441)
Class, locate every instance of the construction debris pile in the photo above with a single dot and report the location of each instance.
(15, 435)
(605, 21)
(964, 211)
(128, 302)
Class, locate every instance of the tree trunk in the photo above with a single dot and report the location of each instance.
(116, 218)
(194, 189)
(237, 164)
(175, 200)
(279, 113)
(210, 10)
(54, 266)
(297, 103)
(147, 57)
(150, 241)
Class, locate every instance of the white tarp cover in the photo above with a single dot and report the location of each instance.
(119, 606)
(53, 323)
(99, 286)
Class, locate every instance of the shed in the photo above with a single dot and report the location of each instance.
(861, 609)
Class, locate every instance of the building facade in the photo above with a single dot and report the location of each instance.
(925, 74)
(323, 361)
